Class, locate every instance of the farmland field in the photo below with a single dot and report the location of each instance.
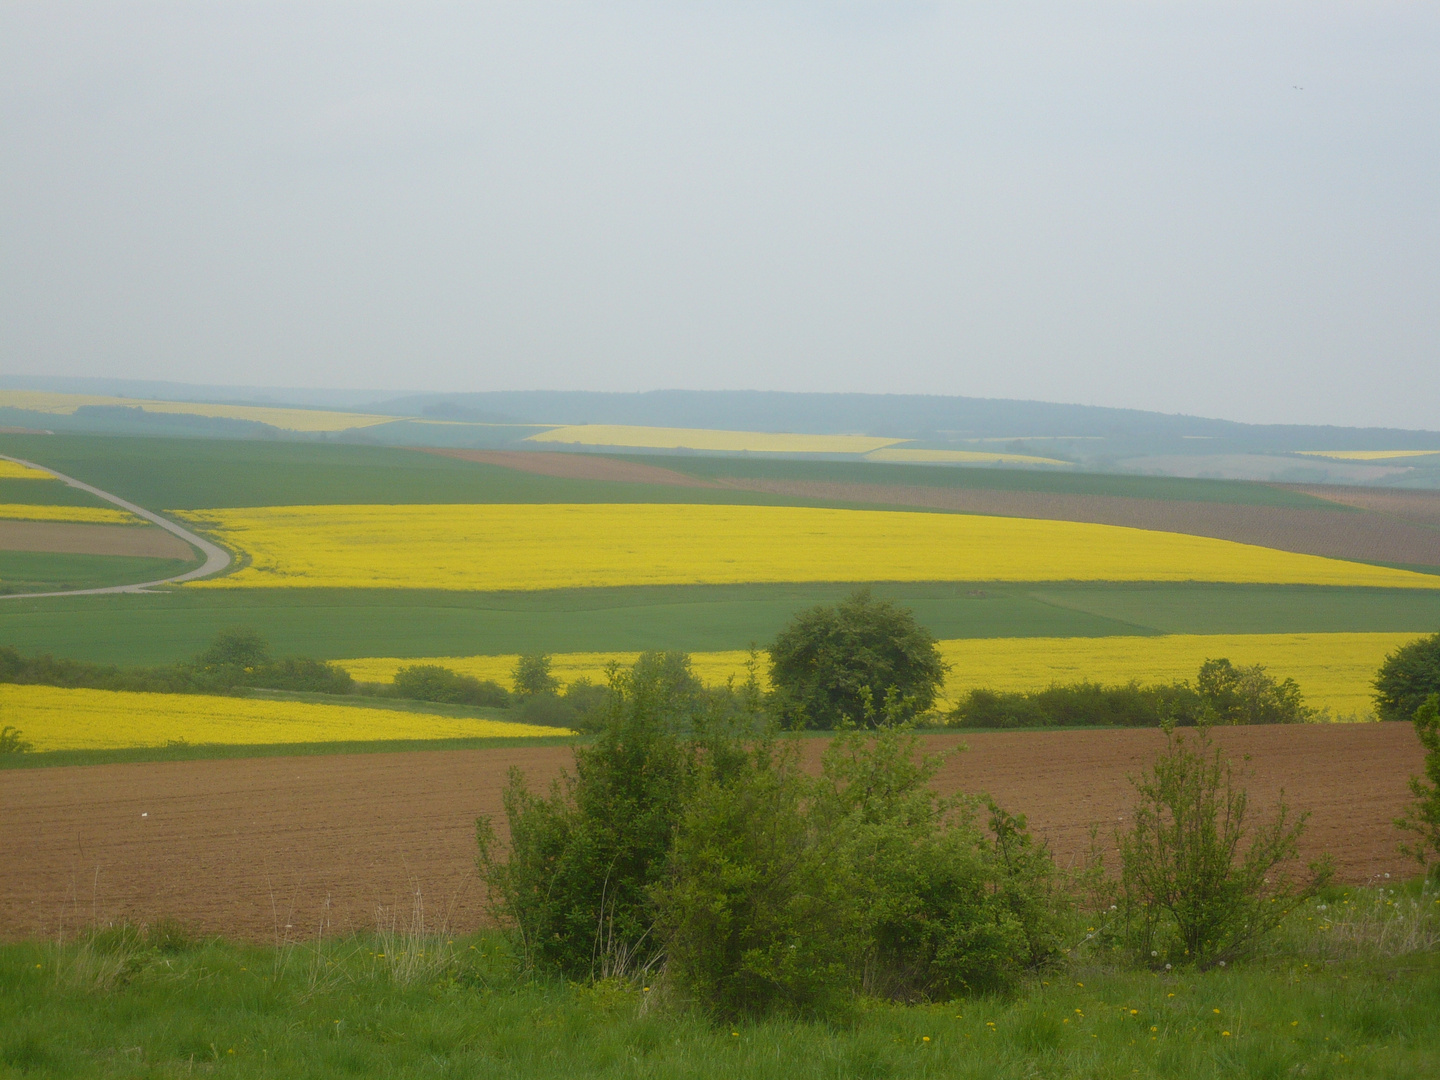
(619, 435)
(226, 842)
(164, 627)
(289, 419)
(905, 455)
(529, 546)
(48, 571)
(369, 551)
(1334, 670)
(90, 515)
(54, 718)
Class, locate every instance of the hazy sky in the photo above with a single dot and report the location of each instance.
(1230, 209)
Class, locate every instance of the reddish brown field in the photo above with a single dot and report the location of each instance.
(1420, 507)
(77, 538)
(283, 846)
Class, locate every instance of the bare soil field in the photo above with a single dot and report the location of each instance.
(285, 847)
(1420, 507)
(575, 466)
(75, 538)
(1340, 534)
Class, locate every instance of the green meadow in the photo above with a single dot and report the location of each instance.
(396, 1004)
(172, 624)
(40, 571)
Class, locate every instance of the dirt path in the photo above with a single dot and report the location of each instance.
(216, 558)
(281, 845)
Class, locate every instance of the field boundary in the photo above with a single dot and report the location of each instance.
(216, 557)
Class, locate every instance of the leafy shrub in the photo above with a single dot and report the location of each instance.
(1422, 817)
(234, 650)
(1222, 694)
(299, 673)
(238, 659)
(12, 742)
(45, 670)
(532, 676)
(756, 913)
(242, 658)
(583, 861)
(794, 895)
(850, 662)
(1197, 884)
(1407, 678)
(945, 907)
(1246, 695)
(1081, 704)
(431, 682)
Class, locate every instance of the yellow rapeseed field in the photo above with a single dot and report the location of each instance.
(905, 455)
(550, 546)
(91, 515)
(1333, 670)
(661, 438)
(1367, 455)
(13, 470)
(58, 719)
(288, 419)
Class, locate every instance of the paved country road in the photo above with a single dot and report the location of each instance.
(216, 558)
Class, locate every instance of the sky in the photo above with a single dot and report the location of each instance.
(1223, 209)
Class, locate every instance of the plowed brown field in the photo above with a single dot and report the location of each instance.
(76, 538)
(283, 846)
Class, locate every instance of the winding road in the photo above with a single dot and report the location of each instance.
(216, 558)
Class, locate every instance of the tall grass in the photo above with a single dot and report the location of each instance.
(1360, 998)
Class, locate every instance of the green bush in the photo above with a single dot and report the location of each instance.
(242, 658)
(1407, 678)
(1198, 884)
(1082, 704)
(577, 886)
(797, 895)
(1422, 817)
(431, 682)
(532, 676)
(12, 742)
(1246, 695)
(848, 663)
(1222, 694)
(756, 913)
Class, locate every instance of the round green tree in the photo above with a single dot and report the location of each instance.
(862, 661)
(1409, 675)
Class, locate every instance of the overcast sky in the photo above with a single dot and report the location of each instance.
(1230, 209)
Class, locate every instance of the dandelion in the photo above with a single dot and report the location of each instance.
(1226, 1034)
(924, 1038)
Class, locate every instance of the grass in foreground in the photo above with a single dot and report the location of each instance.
(397, 1003)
